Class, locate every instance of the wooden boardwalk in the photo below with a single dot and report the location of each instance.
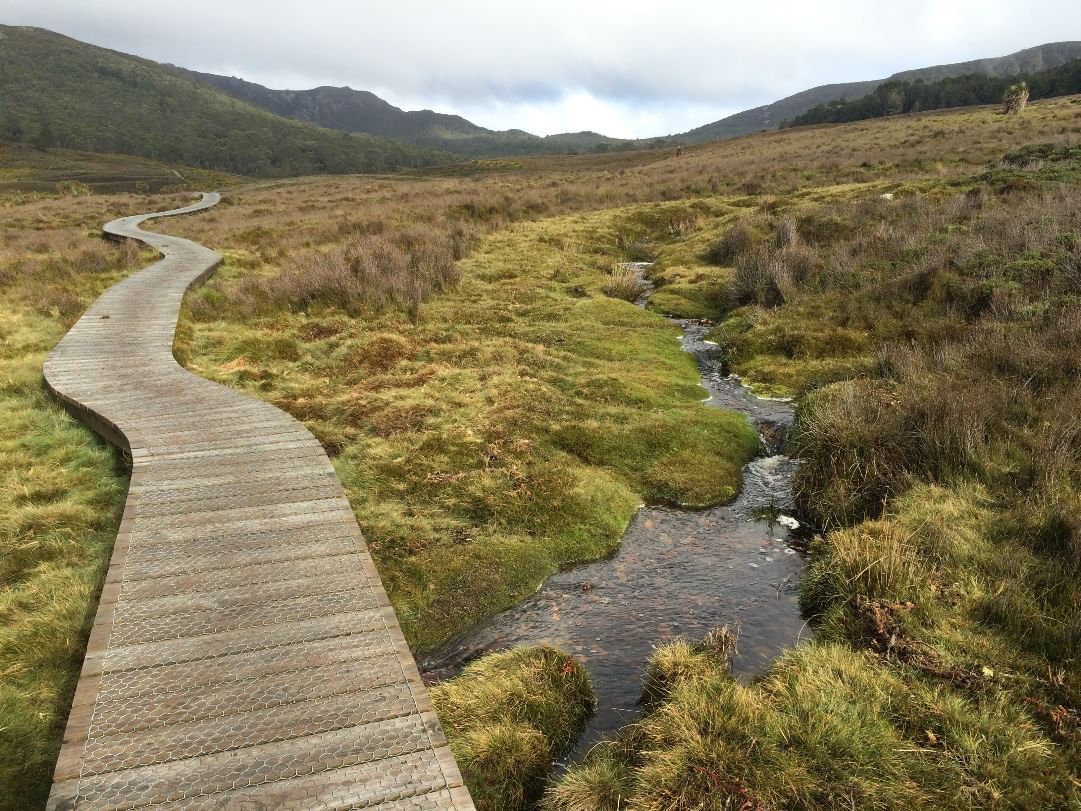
(244, 654)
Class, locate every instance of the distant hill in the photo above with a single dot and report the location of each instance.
(772, 116)
(359, 111)
(59, 92)
(919, 95)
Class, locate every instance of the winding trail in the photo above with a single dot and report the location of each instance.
(244, 652)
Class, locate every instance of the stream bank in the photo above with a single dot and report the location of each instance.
(677, 572)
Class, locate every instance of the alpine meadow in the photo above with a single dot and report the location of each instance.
(828, 364)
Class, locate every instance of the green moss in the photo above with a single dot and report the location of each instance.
(790, 351)
(709, 299)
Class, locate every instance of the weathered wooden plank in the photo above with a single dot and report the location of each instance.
(244, 651)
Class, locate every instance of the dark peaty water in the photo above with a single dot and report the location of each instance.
(677, 573)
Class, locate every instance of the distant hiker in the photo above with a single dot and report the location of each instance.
(679, 151)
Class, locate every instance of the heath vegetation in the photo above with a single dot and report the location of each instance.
(508, 716)
(497, 409)
(934, 341)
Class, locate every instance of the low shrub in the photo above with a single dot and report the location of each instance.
(770, 276)
(855, 450)
(826, 227)
(367, 271)
(786, 233)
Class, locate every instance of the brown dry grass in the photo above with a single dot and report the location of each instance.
(275, 219)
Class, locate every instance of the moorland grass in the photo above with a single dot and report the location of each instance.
(512, 429)
(508, 716)
(920, 268)
(915, 691)
(62, 489)
(558, 351)
(813, 230)
(944, 671)
(827, 727)
(60, 503)
(26, 169)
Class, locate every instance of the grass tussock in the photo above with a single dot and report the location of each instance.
(770, 276)
(624, 283)
(684, 662)
(828, 727)
(508, 716)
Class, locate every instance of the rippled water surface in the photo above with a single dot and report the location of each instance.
(677, 573)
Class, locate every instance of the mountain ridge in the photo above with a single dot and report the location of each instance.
(771, 116)
(361, 111)
(56, 91)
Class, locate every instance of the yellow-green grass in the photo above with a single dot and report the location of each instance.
(508, 716)
(944, 670)
(60, 497)
(950, 703)
(512, 429)
(827, 727)
(60, 500)
(263, 225)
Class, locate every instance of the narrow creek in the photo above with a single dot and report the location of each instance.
(677, 573)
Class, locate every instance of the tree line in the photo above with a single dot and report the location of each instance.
(896, 97)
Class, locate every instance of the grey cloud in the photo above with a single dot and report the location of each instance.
(638, 57)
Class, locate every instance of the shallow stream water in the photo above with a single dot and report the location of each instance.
(677, 573)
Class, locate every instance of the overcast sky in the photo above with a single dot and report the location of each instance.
(629, 68)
